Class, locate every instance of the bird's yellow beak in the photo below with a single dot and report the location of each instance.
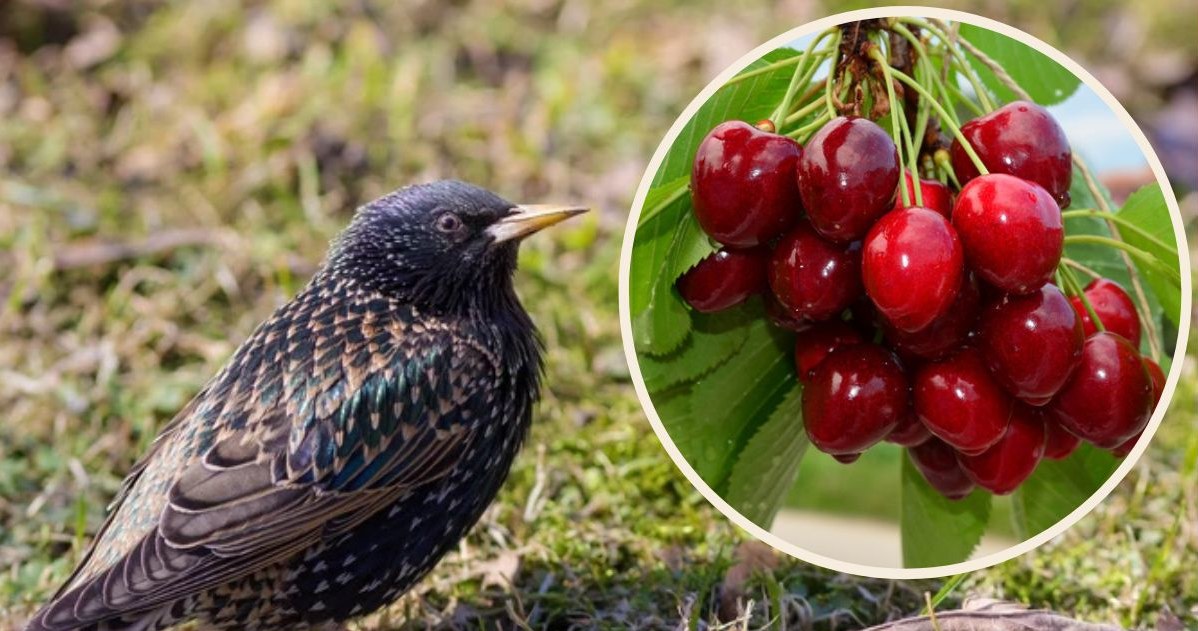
(531, 218)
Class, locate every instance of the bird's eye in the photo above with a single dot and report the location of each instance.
(448, 223)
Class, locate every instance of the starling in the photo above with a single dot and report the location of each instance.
(347, 445)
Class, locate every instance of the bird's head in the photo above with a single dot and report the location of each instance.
(440, 246)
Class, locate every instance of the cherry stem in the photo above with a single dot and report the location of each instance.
(1147, 236)
(965, 68)
(828, 96)
(878, 56)
(912, 156)
(1096, 192)
(1073, 287)
(789, 61)
(942, 160)
(1081, 268)
(939, 29)
(801, 133)
(945, 119)
(961, 98)
(1136, 253)
(803, 112)
(806, 68)
(925, 59)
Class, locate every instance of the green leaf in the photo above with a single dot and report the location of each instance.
(1044, 79)
(1058, 487)
(660, 320)
(765, 470)
(936, 530)
(728, 404)
(749, 100)
(1147, 210)
(714, 337)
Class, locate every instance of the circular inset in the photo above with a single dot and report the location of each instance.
(913, 374)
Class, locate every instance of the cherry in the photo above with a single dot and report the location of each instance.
(847, 458)
(1011, 231)
(912, 267)
(937, 461)
(1031, 343)
(960, 403)
(1020, 139)
(1126, 446)
(742, 184)
(945, 333)
(1003, 467)
(781, 317)
(1107, 399)
(856, 396)
(935, 195)
(847, 177)
(813, 278)
(1158, 379)
(909, 432)
(1113, 307)
(1060, 442)
(723, 279)
(813, 345)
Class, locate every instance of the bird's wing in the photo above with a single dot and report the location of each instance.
(362, 420)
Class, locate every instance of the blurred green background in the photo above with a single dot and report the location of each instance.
(171, 172)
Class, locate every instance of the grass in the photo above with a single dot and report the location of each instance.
(171, 173)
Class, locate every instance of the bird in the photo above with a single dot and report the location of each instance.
(347, 444)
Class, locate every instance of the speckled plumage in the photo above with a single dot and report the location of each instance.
(346, 446)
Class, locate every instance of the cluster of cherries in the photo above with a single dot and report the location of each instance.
(935, 327)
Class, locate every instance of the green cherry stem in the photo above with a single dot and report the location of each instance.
(961, 98)
(1147, 236)
(1073, 287)
(803, 112)
(1081, 268)
(803, 132)
(1136, 253)
(945, 164)
(828, 80)
(912, 155)
(875, 52)
(961, 62)
(945, 118)
(801, 70)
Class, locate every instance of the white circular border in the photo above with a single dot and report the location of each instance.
(790, 548)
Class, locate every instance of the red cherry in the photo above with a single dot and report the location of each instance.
(936, 196)
(909, 432)
(813, 345)
(1114, 308)
(742, 184)
(847, 177)
(1020, 139)
(1003, 467)
(813, 278)
(1107, 399)
(944, 334)
(781, 317)
(856, 396)
(1126, 446)
(1158, 379)
(937, 461)
(1060, 442)
(1011, 231)
(1031, 343)
(847, 458)
(960, 403)
(912, 267)
(723, 279)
